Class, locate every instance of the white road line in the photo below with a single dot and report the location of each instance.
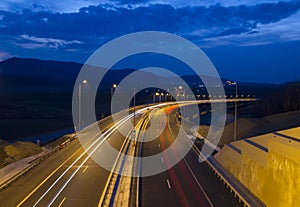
(105, 135)
(63, 200)
(21, 203)
(169, 185)
(206, 196)
(74, 173)
(162, 159)
(85, 168)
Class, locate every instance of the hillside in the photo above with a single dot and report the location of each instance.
(248, 127)
(10, 153)
(36, 95)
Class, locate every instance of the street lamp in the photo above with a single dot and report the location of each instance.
(79, 103)
(235, 111)
(160, 97)
(180, 88)
(155, 94)
(114, 86)
(134, 108)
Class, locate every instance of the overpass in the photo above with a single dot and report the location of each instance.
(71, 178)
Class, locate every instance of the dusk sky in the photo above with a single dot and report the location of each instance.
(247, 40)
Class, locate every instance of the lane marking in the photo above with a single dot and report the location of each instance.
(45, 180)
(85, 168)
(189, 168)
(112, 172)
(162, 159)
(105, 135)
(63, 200)
(101, 200)
(169, 185)
(30, 194)
(206, 196)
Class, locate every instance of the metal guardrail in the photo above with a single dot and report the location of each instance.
(31, 165)
(240, 191)
(108, 198)
(244, 195)
(135, 188)
(105, 199)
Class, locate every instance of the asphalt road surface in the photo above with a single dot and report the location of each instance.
(188, 183)
(71, 178)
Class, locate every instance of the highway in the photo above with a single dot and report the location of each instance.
(188, 183)
(71, 178)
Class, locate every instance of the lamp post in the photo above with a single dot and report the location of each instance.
(134, 108)
(180, 90)
(235, 111)
(79, 104)
(114, 86)
(156, 94)
(153, 97)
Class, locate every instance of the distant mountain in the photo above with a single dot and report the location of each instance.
(33, 74)
(46, 69)
(20, 74)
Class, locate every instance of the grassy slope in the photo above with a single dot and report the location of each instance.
(13, 152)
(248, 127)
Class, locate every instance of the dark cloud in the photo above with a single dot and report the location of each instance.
(101, 22)
(130, 2)
(92, 26)
(44, 34)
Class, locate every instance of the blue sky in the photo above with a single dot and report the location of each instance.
(255, 41)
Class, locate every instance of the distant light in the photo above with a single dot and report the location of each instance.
(157, 94)
(180, 87)
(114, 85)
(84, 81)
(162, 94)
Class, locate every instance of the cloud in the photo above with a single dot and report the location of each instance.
(4, 55)
(75, 5)
(133, 2)
(210, 26)
(33, 42)
(285, 30)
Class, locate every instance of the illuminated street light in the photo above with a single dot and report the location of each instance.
(79, 103)
(235, 111)
(160, 95)
(155, 94)
(114, 86)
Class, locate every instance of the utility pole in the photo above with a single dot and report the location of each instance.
(79, 104)
(235, 113)
(134, 108)
(79, 107)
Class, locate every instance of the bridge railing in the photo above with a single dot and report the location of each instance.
(233, 184)
(31, 165)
